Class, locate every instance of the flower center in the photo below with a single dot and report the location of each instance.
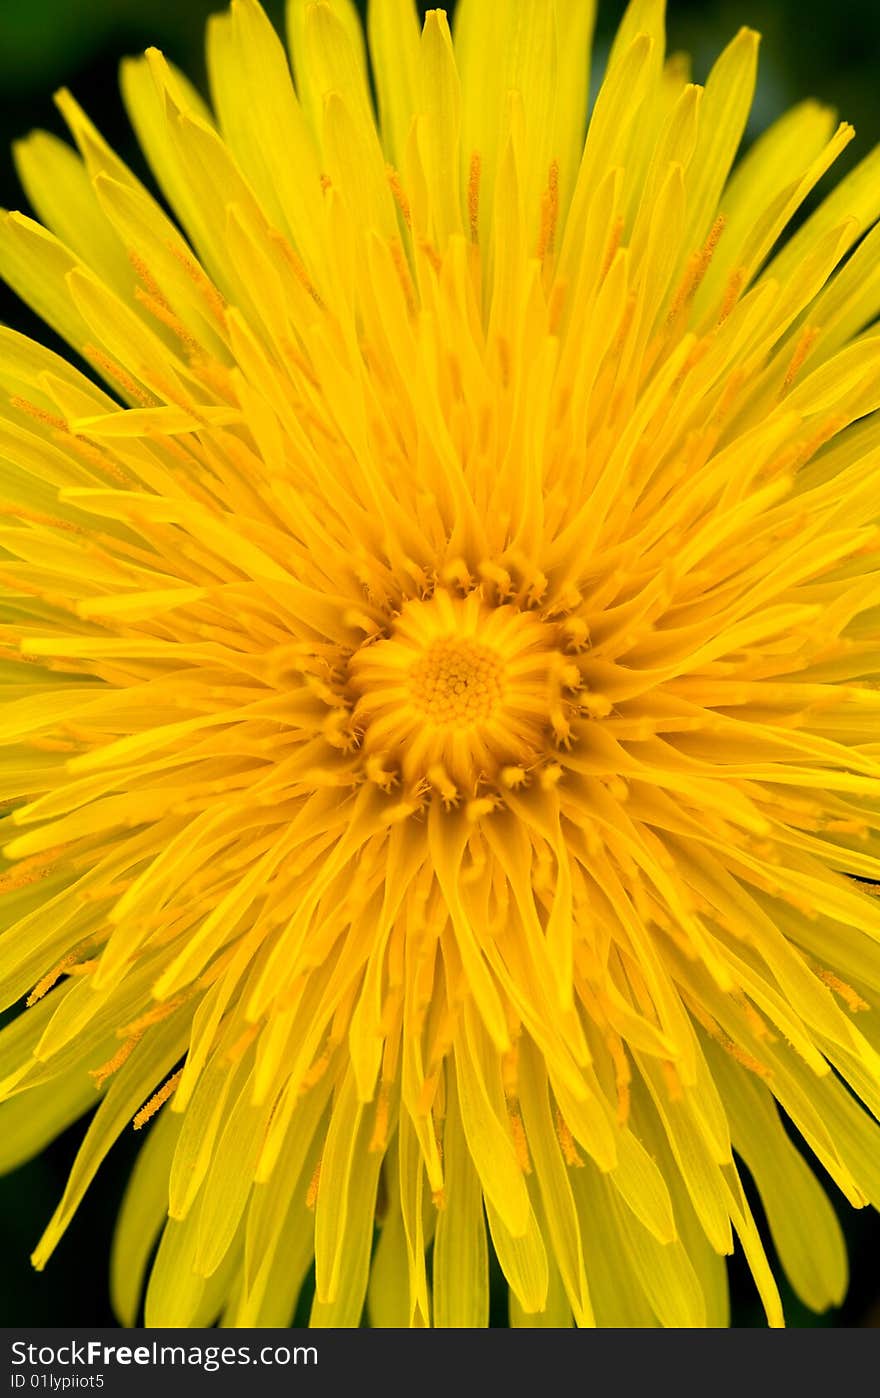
(462, 693)
(457, 682)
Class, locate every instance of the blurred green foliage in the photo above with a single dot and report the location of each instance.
(829, 51)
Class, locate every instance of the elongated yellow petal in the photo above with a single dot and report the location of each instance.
(141, 1217)
(393, 29)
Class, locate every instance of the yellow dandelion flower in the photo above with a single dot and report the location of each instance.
(440, 739)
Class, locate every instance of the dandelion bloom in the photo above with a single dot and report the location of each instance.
(440, 747)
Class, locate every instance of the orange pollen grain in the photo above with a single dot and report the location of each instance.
(26, 406)
(95, 457)
(158, 308)
(849, 996)
(158, 1099)
(672, 1080)
(549, 213)
(828, 429)
(520, 1142)
(473, 195)
(45, 985)
(144, 275)
(614, 238)
(432, 254)
(39, 517)
(244, 1040)
(747, 1060)
(401, 267)
(806, 340)
(711, 243)
(30, 869)
(113, 370)
(696, 269)
(399, 193)
(203, 283)
(379, 1138)
(122, 1054)
(735, 283)
(153, 1016)
(570, 1153)
(297, 265)
(312, 1191)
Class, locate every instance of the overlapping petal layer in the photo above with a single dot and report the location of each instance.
(440, 743)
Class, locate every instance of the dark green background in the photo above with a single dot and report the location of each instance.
(828, 50)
